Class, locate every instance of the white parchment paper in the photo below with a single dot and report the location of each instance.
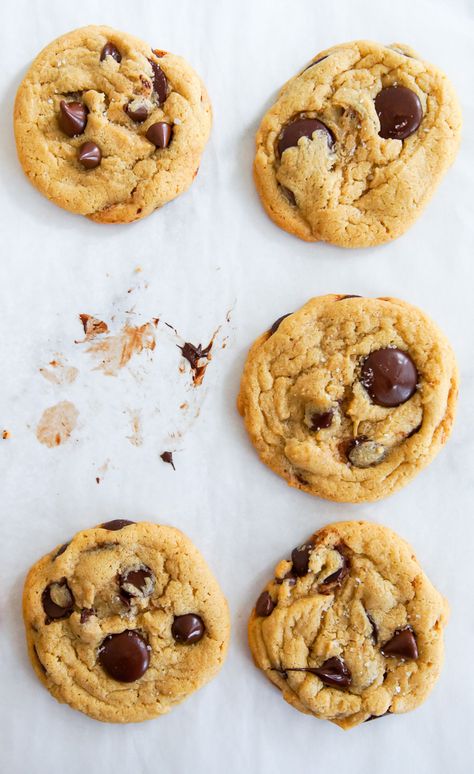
(210, 252)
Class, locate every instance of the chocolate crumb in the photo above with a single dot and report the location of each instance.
(167, 456)
(194, 356)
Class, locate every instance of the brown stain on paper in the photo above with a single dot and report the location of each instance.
(59, 373)
(136, 438)
(57, 423)
(92, 326)
(114, 351)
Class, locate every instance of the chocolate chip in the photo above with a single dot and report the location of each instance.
(402, 644)
(314, 63)
(72, 117)
(301, 127)
(300, 558)
(265, 605)
(160, 82)
(278, 322)
(376, 717)
(375, 631)
(86, 613)
(57, 600)
(60, 551)
(116, 524)
(289, 195)
(195, 356)
(167, 456)
(288, 576)
(188, 628)
(399, 111)
(110, 50)
(321, 421)
(137, 114)
(89, 155)
(363, 453)
(125, 656)
(159, 134)
(390, 377)
(333, 672)
(338, 576)
(137, 583)
(342, 298)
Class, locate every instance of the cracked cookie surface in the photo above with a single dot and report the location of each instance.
(107, 127)
(350, 628)
(379, 128)
(349, 398)
(125, 621)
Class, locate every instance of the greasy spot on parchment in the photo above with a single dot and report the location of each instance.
(115, 351)
(136, 438)
(92, 326)
(59, 372)
(57, 423)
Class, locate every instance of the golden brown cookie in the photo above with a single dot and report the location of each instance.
(125, 621)
(356, 144)
(349, 398)
(350, 629)
(109, 128)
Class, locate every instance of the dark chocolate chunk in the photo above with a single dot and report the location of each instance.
(265, 605)
(375, 631)
(72, 117)
(86, 613)
(363, 453)
(159, 134)
(60, 551)
(125, 656)
(376, 717)
(194, 356)
(339, 574)
(89, 155)
(301, 127)
(402, 645)
(314, 63)
(188, 628)
(342, 298)
(110, 50)
(116, 524)
(399, 111)
(300, 558)
(57, 600)
(389, 375)
(321, 421)
(138, 114)
(136, 583)
(278, 322)
(333, 672)
(160, 82)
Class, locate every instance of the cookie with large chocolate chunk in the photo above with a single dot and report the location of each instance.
(356, 144)
(124, 621)
(107, 127)
(349, 398)
(358, 633)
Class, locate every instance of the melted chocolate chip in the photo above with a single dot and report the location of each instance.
(338, 576)
(342, 298)
(110, 50)
(265, 605)
(375, 631)
(390, 377)
(138, 114)
(314, 63)
(167, 456)
(159, 134)
(289, 195)
(287, 577)
(363, 453)
(116, 524)
(86, 613)
(57, 600)
(125, 656)
(321, 421)
(136, 583)
(188, 628)
(376, 717)
(300, 558)
(72, 117)
(399, 111)
(333, 672)
(278, 322)
(301, 127)
(160, 82)
(194, 355)
(403, 644)
(89, 155)
(60, 551)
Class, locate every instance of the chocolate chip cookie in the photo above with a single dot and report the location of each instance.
(350, 628)
(356, 144)
(349, 397)
(109, 128)
(124, 621)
